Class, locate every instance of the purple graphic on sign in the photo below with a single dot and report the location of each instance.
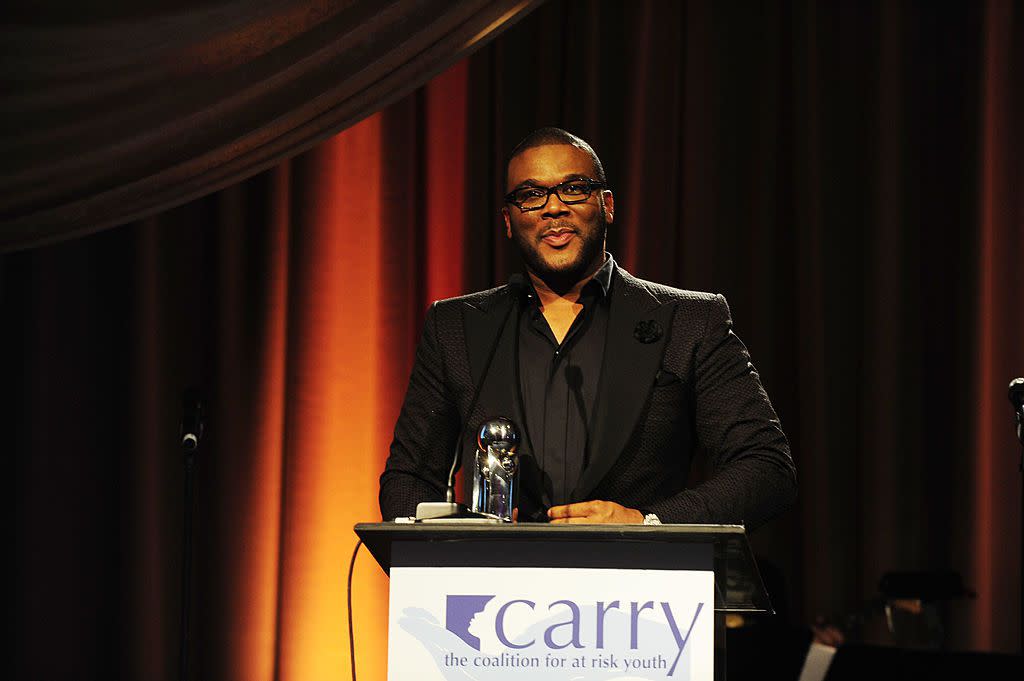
(459, 614)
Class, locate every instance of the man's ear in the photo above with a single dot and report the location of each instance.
(508, 221)
(609, 206)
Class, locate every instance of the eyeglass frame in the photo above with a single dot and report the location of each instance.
(592, 185)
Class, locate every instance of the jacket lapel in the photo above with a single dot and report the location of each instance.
(627, 375)
(482, 322)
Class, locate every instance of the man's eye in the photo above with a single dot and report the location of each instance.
(527, 194)
(575, 187)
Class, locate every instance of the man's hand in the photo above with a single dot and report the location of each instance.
(595, 513)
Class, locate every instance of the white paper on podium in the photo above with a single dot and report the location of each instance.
(816, 664)
(502, 624)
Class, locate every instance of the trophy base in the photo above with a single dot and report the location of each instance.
(469, 519)
(448, 512)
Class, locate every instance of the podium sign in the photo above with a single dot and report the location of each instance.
(472, 602)
(464, 623)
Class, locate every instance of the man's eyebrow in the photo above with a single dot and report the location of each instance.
(530, 182)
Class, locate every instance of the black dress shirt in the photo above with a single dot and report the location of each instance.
(558, 383)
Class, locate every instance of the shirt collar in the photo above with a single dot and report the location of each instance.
(604, 275)
(603, 279)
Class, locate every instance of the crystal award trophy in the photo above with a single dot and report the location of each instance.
(494, 474)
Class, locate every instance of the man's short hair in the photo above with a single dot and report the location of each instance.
(544, 136)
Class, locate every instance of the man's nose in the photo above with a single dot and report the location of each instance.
(554, 206)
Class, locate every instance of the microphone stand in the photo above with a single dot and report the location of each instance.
(1016, 396)
(186, 563)
(191, 434)
(449, 508)
(1020, 468)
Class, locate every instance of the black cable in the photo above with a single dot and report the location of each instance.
(351, 631)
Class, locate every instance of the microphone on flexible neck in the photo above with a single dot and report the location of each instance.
(433, 509)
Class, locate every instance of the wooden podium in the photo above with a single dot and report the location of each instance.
(460, 571)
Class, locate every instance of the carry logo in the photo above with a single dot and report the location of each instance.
(608, 638)
(459, 615)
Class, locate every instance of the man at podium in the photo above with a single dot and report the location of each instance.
(615, 383)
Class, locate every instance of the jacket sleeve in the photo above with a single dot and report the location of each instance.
(753, 477)
(425, 433)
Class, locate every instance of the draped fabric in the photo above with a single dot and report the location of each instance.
(270, 295)
(849, 175)
(109, 116)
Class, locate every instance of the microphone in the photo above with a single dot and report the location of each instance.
(191, 419)
(426, 510)
(1016, 395)
(574, 377)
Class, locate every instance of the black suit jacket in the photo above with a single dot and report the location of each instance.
(675, 380)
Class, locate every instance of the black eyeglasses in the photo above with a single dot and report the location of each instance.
(569, 192)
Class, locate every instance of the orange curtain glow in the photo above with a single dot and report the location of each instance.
(333, 340)
(332, 428)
